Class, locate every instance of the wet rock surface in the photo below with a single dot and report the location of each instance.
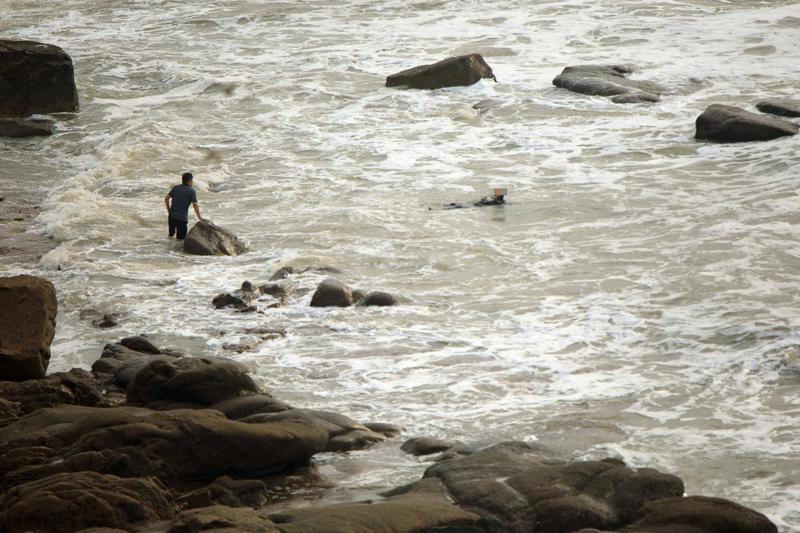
(332, 293)
(206, 238)
(724, 123)
(608, 80)
(26, 127)
(28, 309)
(781, 107)
(450, 72)
(35, 78)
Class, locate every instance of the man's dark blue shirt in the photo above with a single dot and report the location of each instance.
(182, 197)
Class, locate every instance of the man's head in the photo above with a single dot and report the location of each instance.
(187, 178)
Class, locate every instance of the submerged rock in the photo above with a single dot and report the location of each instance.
(35, 78)
(726, 123)
(428, 445)
(453, 71)
(206, 238)
(332, 293)
(28, 308)
(26, 127)
(240, 299)
(608, 80)
(782, 107)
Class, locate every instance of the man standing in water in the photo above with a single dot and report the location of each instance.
(182, 196)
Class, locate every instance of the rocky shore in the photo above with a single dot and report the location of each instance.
(150, 439)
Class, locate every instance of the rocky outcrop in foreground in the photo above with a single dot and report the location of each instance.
(154, 440)
(27, 324)
(724, 123)
(206, 238)
(608, 80)
(35, 78)
(450, 72)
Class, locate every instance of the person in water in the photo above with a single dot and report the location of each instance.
(498, 197)
(178, 200)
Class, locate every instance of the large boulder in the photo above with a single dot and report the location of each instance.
(453, 71)
(27, 325)
(378, 299)
(724, 123)
(35, 78)
(206, 238)
(25, 127)
(608, 80)
(782, 107)
(189, 380)
(81, 500)
(332, 293)
(179, 447)
(699, 514)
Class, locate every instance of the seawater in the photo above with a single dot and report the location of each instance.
(638, 297)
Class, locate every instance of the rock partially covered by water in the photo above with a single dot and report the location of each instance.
(27, 325)
(332, 293)
(378, 298)
(450, 72)
(35, 78)
(782, 107)
(82, 500)
(240, 299)
(428, 445)
(26, 127)
(608, 80)
(724, 123)
(345, 434)
(206, 238)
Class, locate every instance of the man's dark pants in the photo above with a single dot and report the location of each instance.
(179, 227)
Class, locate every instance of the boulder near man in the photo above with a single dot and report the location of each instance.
(178, 201)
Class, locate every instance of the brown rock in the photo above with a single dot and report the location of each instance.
(427, 445)
(450, 72)
(332, 293)
(379, 298)
(608, 80)
(75, 501)
(699, 514)
(222, 518)
(782, 107)
(35, 78)
(28, 308)
(25, 127)
(76, 387)
(206, 238)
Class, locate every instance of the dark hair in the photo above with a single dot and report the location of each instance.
(186, 177)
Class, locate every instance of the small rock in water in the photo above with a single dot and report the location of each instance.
(140, 343)
(450, 72)
(332, 293)
(782, 107)
(428, 445)
(608, 80)
(724, 123)
(378, 298)
(206, 238)
(26, 127)
(106, 321)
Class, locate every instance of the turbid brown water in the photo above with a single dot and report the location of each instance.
(638, 296)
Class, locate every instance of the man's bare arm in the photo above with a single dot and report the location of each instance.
(166, 202)
(197, 210)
